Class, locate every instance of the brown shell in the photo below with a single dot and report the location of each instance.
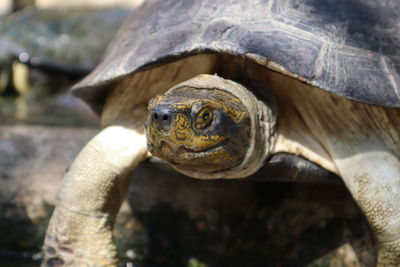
(347, 47)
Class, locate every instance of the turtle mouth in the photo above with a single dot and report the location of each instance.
(179, 154)
(208, 160)
(183, 154)
(186, 153)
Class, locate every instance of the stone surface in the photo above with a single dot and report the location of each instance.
(173, 220)
(245, 223)
(33, 160)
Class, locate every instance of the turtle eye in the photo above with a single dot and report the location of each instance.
(203, 118)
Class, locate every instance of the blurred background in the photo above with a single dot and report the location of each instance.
(167, 219)
(45, 47)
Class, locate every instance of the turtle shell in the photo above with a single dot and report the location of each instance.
(350, 48)
(68, 41)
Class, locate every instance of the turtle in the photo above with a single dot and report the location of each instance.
(217, 88)
(55, 42)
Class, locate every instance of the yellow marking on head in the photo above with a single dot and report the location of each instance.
(181, 128)
(203, 118)
(209, 129)
(182, 133)
(182, 106)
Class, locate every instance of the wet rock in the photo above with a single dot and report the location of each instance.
(173, 220)
(33, 160)
(53, 48)
(246, 223)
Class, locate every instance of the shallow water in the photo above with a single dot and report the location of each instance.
(60, 109)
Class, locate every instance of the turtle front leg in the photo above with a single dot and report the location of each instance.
(373, 178)
(363, 142)
(80, 230)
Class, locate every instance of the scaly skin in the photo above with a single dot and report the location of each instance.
(389, 254)
(363, 142)
(80, 230)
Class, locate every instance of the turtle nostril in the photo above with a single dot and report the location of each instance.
(162, 117)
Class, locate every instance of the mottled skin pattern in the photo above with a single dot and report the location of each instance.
(203, 129)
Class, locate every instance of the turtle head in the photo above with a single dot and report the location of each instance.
(201, 128)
